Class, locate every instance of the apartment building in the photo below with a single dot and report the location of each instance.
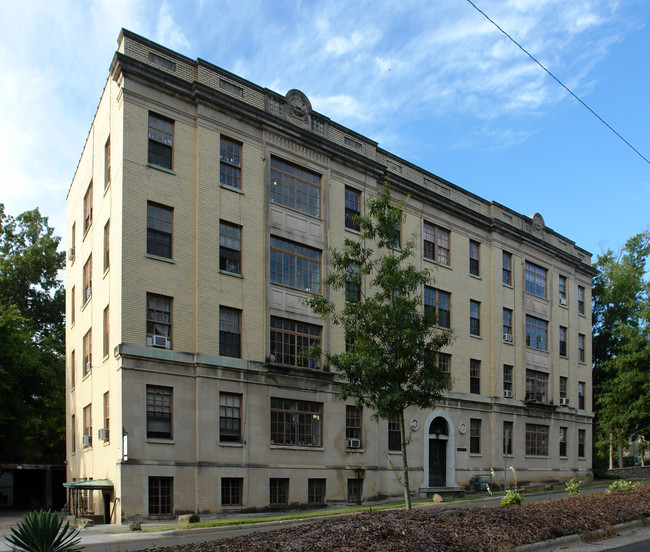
(199, 218)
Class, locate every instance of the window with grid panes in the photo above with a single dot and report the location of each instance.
(474, 318)
(295, 187)
(563, 335)
(295, 265)
(474, 258)
(88, 352)
(230, 164)
(581, 395)
(107, 245)
(107, 332)
(581, 347)
(582, 435)
(231, 491)
(230, 418)
(229, 247)
(536, 333)
(291, 342)
(161, 493)
(88, 280)
(475, 436)
(229, 332)
(563, 440)
(107, 163)
(436, 244)
(561, 284)
(159, 318)
(107, 414)
(159, 230)
(535, 277)
(161, 141)
(536, 386)
(394, 435)
(581, 300)
(73, 370)
(73, 307)
(536, 440)
(507, 438)
(507, 324)
(159, 412)
(352, 208)
(353, 283)
(316, 491)
(278, 491)
(563, 387)
(353, 416)
(507, 381)
(355, 491)
(443, 361)
(88, 422)
(88, 207)
(296, 423)
(506, 261)
(437, 303)
(475, 376)
(73, 434)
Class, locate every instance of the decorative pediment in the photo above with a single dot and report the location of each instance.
(295, 107)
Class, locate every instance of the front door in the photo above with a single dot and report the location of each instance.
(437, 462)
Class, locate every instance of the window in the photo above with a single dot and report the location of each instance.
(159, 320)
(581, 347)
(73, 308)
(159, 230)
(563, 387)
(507, 268)
(229, 247)
(394, 435)
(353, 283)
(536, 386)
(160, 495)
(507, 438)
(230, 164)
(73, 242)
(355, 491)
(107, 412)
(581, 300)
(88, 207)
(159, 412)
(443, 361)
(474, 257)
(581, 443)
(107, 245)
(352, 209)
(563, 331)
(295, 187)
(294, 265)
(561, 284)
(88, 425)
(507, 324)
(475, 376)
(107, 163)
(73, 435)
(229, 418)
(161, 141)
(535, 280)
(88, 352)
(278, 491)
(107, 332)
(88, 280)
(507, 381)
(536, 331)
(353, 417)
(290, 343)
(536, 440)
(73, 370)
(436, 244)
(581, 395)
(316, 491)
(229, 332)
(436, 303)
(474, 318)
(232, 491)
(397, 233)
(296, 423)
(474, 436)
(563, 440)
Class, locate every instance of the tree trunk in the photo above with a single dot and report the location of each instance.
(620, 452)
(611, 451)
(405, 466)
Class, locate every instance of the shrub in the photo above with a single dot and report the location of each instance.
(43, 531)
(621, 486)
(573, 487)
(511, 498)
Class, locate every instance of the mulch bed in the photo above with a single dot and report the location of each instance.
(450, 529)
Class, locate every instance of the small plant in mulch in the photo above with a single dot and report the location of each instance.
(573, 487)
(622, 486)
(511, 497)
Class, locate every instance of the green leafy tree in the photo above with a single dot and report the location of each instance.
(32, 366)
(621, 311)
(392, 341)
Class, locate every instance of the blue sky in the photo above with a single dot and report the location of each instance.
(431, 81)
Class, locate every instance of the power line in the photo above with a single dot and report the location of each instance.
(559, 82)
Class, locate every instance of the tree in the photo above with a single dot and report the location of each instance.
(390, 361)
(621, 310)
(32, 366)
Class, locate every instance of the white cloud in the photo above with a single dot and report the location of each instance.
(167, 32)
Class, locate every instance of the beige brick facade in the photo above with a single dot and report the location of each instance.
(176, 459)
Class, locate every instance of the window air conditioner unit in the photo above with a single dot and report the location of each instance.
(161, 341)
(564, 401)
(89, 292)
(562, 302)
(87, 440)
(507, 394)
(102, 434)
(353, 443)
(89, 366)
(71, 254)
(507, 337)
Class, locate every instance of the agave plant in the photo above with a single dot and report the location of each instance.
(43, 531)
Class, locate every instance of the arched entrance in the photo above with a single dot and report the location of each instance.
(438, 436)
